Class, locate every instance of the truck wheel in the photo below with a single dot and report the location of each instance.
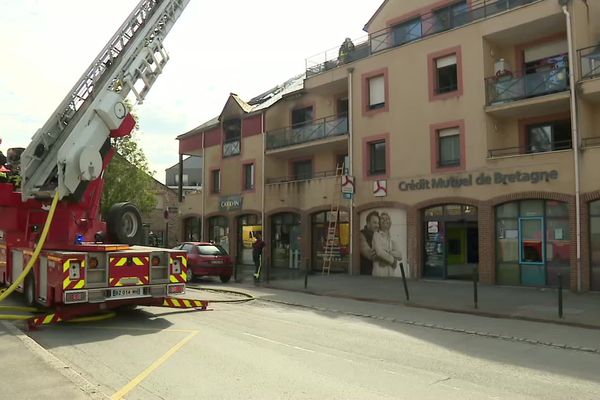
(124, 223)
(29, 290)
(225, 278)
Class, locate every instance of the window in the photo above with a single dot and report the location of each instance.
(185, 179)
(407, 31)
(446, 74)
(248, 176)
(549, 136)
(302, 169)
(216, 181)
(377, 161)
(376, 92)
(449, 147)
(302, 117)
(232, 137)
(450, 17)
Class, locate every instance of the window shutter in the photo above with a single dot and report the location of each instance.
(445, 61)
(545, 50)
(376, 90)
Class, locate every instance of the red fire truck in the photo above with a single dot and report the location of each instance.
(54, 246)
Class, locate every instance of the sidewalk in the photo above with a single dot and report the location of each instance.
(533, 304)
(30, 372)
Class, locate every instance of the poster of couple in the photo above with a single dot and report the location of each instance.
(383, 242)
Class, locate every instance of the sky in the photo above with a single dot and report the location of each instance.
(215, 48)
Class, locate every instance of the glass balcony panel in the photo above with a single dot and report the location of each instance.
(554, 78)
(319, 129)
(590, 62)
(398, 35)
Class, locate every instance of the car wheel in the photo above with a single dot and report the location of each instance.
(29, 290)
(225, 278)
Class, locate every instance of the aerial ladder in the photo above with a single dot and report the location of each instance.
(79, 263)
(332, 246)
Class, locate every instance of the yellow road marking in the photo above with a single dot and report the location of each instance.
(138, 379)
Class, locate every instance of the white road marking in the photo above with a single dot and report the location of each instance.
(279, 343)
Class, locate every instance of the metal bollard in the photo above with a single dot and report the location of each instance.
(404, 281)
(267, 263)
(475, 279)
(306, 266)
(560, 297)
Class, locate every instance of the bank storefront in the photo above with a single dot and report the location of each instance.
(511, 232)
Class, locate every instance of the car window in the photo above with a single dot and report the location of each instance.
(187, 247)
(212, 250)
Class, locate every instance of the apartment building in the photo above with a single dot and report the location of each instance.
(471, 130)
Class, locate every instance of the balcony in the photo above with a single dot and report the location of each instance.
(410, 31)
(324, 128)
(232, 147)
(590, 73)
(305, 193)
(531, 149)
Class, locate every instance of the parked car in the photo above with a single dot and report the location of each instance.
(207, 259)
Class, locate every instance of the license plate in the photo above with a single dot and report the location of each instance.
(126, 292)
(217, 261)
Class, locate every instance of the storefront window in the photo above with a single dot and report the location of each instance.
(341, 247)
(192, 227)
(249, 227)
(595, 244)
(286, 240)
(532, 243)
(218, 231)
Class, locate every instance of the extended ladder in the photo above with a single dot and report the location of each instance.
(331, 245)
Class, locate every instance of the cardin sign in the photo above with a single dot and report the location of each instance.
(230, 203)
(483, 179)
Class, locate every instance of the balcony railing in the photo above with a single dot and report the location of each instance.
(590, 62)
(553, 78)
(408, 32)
(530, 149)
(232, 147)
(294, 178)
(319, 129)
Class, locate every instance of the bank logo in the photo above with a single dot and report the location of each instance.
(380, 188)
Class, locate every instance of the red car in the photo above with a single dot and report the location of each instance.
(207, 259)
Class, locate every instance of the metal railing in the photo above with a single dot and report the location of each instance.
(448, 163)
(295, 178)
(409, 31)
(232, 147)
(590, 142)
(553, 78)
(319, 129)
(589, 62)
(531, 149)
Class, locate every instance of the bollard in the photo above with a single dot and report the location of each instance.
(267, 264)
(560, 297)
(404, 281)
(307, 264)
(475, 279)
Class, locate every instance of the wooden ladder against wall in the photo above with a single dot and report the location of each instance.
(330, 244)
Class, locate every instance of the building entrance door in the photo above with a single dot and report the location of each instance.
(450, 242)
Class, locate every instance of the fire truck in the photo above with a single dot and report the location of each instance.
(54, 246)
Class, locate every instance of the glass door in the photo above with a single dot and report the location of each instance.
(531, 251)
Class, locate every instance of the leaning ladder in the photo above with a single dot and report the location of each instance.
(330, 242)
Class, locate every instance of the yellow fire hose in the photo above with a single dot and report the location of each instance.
(4, 293)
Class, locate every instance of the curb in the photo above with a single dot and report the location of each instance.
(56, 364)
(443, 309)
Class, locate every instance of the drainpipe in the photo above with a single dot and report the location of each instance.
(350, 161)
(574, 138)
(263, 186)
(203, 189)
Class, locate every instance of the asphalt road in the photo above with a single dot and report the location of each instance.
(266, 350)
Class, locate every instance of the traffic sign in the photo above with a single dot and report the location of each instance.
(347, 184)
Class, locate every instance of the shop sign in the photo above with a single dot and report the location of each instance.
(483, 179)
(230, 203)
